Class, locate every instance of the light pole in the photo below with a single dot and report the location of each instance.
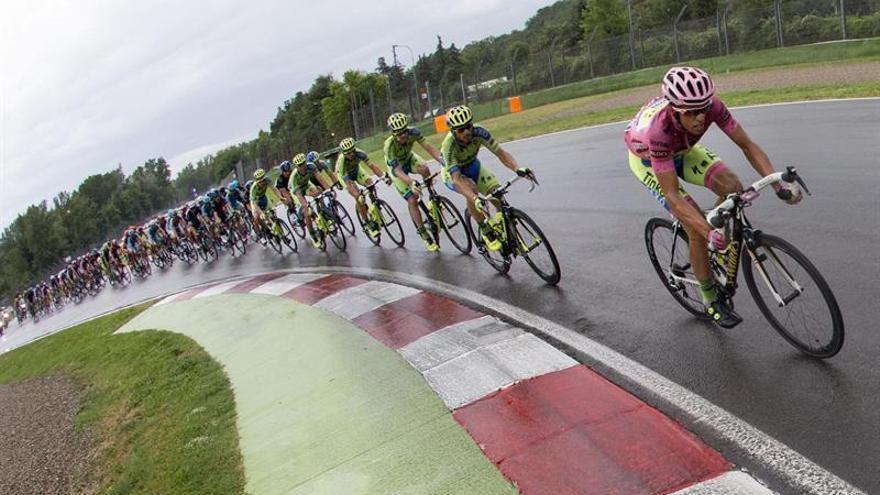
(415, 76)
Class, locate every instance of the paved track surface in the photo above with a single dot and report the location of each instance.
(594, 211)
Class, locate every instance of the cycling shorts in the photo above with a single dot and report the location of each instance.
(484, 178)
(697, 166)
(407, 168)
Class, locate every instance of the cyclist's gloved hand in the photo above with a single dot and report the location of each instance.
(717, 241)
(523, 172)
(789, 194)
(387, 179)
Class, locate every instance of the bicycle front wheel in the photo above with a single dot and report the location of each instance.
(453, 225)
(794, 297)
(532, 244)
(343, 217)
(670, 256)
(295, 223)
(391, 224)
(287, 237)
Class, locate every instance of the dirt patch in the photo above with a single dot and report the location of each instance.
(779, 77)
(40, 451)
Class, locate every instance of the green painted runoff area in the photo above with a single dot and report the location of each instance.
(322, 406)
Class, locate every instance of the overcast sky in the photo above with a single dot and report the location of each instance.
(88, 84)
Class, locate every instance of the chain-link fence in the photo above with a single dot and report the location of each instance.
(778, 23)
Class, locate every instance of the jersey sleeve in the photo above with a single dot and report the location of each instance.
(416, 135)
(660, 153)
(361, 156)
(722, 117)
(386, 150)
(486, 139)
(446, 152)
(340, 166)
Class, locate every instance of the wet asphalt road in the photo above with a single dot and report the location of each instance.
(594, 211)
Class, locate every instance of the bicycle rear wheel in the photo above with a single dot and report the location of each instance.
(391, 223)
(794, 297)
(670, 256)
(532, 244)
(454, 225)
(499, 260)
(374, 239)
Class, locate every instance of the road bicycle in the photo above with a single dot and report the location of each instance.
(440, 213)
(276, 232)
(518, 233)
(294, 215)
(788, 289)
(381, 216)
(325, 220)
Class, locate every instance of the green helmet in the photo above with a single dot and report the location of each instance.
(347, 144)
(299, 159)
(259, 174)
(397, 122)
(458, 117)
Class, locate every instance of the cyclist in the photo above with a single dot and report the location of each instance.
(349, 171)
(235, 195)
(462, 171)
(263, 195)
(661, 140)
(402, 161)
(323, 167)
(283, 179)
(306, 180)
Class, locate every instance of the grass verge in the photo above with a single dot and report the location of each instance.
(162, 410)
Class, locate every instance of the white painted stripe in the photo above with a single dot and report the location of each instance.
(456, 340)
(288, 282)
(729, 483)
(478, 373)
(799, 473)
(355, 301)
(217, 289)
(168, 299)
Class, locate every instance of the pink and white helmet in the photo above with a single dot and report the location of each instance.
(688, 87)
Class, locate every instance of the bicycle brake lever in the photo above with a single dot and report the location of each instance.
(801, 183)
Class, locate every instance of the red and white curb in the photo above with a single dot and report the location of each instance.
(550, 424)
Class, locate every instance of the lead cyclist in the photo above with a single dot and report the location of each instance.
(662, 143)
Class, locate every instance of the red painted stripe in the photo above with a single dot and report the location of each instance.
(316, 290)
(252, 283)
(573, 431)
(408, 319)
(192, 293)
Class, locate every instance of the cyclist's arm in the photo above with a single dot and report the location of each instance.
(507, 159)
(431, 150)
(754, 154)
(375, 168)
(400, 174)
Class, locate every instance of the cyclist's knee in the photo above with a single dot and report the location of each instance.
(722, 181)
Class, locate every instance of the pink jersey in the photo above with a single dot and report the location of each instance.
(654, 134)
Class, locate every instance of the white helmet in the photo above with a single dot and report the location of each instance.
(688, 87)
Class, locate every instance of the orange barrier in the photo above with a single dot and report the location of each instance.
(515, 104)
(440, 124)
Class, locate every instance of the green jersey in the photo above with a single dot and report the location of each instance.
(456, 154)
(397, 153)
(346, 168)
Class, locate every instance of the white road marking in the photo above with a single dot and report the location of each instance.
(729, 483)
(288, 282)
(355, 301)
(217, 289)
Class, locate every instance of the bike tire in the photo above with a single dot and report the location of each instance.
(295, 224)
(448, 211)
(288, 239)
(343, 217)
(374, 239)
(391, 223)
(499, 260)
(658, 234)
(550, 274)
(767, 250)
(428, 224)
(337, 235)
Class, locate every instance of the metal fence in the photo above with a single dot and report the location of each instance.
(779, 23)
